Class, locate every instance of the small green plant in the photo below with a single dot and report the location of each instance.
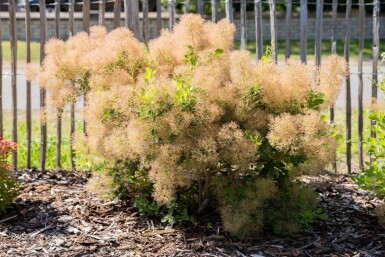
(146, 207)
(176, 214)
(8, 186)
(309, 217)
(373, 177)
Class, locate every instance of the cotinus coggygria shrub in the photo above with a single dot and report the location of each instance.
(192, 124)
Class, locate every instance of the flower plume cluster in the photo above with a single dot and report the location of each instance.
(8, 186)
(6, 148)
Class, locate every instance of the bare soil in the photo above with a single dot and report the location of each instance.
(56, 216)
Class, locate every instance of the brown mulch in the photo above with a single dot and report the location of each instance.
(57, 216)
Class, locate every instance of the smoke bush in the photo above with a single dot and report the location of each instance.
(197, 117)
(8, 187)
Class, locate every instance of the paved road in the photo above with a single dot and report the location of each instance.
(21, 89)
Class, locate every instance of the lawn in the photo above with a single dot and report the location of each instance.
(295, 49)
(35, 145)
(66, 164)
(340, 117)
(21, 52)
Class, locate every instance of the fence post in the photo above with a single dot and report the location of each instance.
(145, 21)
(258, 28)
(117, 10)
(303, 30)
(273, 29)
(72, 132)
(28, 83)
(134, 13)
(361, 83)
(376, 52)
(318, 32)
(171, 12)
(1, 81)
(287, 28)
(12, 34)
(334, 51)
(57, 18)
(200, 6)
(59, 110)
(159, 16)
(102, 11)
(86, 15)
(186, 6)
(214, 10)
(348, 89)
(229, 10)
(43, 126)
(243, 25)
(71, 10)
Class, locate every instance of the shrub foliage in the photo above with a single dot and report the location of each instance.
(8, 186)
(195, 125)
(373, 177)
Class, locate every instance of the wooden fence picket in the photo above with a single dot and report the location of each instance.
(171, 13)
(1, 81)
(258, 28)
(348, 88)
(288, 28)
(59, 110)
(13, 39)
(273, 30)
(334, 51)
(86, 15)
(145, 21)
(71, 32)
(229, 10)
(376, 53)
(28, 85)
(200, 7)
(117, 11)
(159, 16)
(243, 25)
(303, 30)
(318, 32)
(134, 17)
(214, 11)
(361, 84)
(102, 12)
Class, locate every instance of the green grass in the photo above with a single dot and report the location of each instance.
(295, 49)
(340, 118)
(35, 145)
(326, 46)
(21, 51)
(65, 153)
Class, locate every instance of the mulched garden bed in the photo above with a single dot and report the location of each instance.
(57, 216)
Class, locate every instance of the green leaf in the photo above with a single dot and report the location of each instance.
(218, 51)
(149, 75)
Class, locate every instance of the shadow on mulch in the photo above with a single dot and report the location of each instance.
(56, 216)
